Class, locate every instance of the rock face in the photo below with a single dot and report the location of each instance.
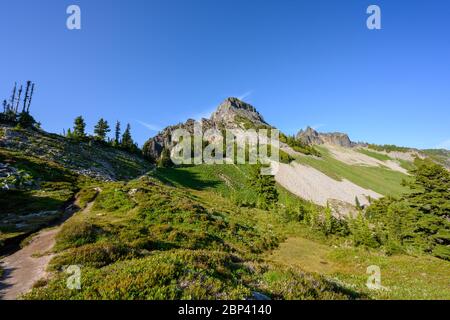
(230, 114)
(312, 137)
(309, 136)
(337, 138)
(232, 110)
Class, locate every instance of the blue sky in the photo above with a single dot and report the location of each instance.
(157, 62)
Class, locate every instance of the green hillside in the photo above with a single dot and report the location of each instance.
(379, 179)
(198, 232)
(229, 181)
(147, 240)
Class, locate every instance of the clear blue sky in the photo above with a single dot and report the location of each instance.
(298, 62)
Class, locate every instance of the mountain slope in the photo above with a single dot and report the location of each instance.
(93, 159)
(41, 172)
(329, 177)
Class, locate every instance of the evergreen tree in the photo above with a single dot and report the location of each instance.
(127, 142)
(420, 218)
(79, 127)
(328, 220)
(101, 129)
(264, 185)
(117, 134)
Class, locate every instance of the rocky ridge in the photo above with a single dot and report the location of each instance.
(312, 137)
(230, 114)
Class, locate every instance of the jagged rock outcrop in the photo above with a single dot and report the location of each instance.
(230, 114)
(309, 136)
(337, 138)
(312, 137)
(234, 113)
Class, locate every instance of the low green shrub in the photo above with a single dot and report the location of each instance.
(294, 284)
(76, 234)
(86, 195)
(179, 274)
(93, 255)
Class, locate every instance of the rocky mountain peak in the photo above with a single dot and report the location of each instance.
(232, 110)
(309, 136)
(232, 113)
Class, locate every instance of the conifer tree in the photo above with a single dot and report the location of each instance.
(101, 129)
(117, 134)
(127, 142)
(264, 185)
(79, 127)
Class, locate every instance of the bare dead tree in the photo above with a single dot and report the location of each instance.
(13, 95)
(31, 96)
(18, 98)
(4, 106)
(25, 99)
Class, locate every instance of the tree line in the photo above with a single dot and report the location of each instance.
(121, 140)
(416, 222)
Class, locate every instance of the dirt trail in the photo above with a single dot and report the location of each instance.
(24, 267)
(27, 265)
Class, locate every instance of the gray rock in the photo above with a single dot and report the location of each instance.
(230, 114)
(312, 137)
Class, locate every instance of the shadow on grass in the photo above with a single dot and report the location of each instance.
(24, 202)
(181, 176)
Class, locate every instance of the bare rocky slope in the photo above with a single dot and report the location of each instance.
(93, 159)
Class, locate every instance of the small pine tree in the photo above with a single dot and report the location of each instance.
(117, 134)
(101, 129)
(127, 141)
(264, 185)
(328, 221)
(79, 128)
